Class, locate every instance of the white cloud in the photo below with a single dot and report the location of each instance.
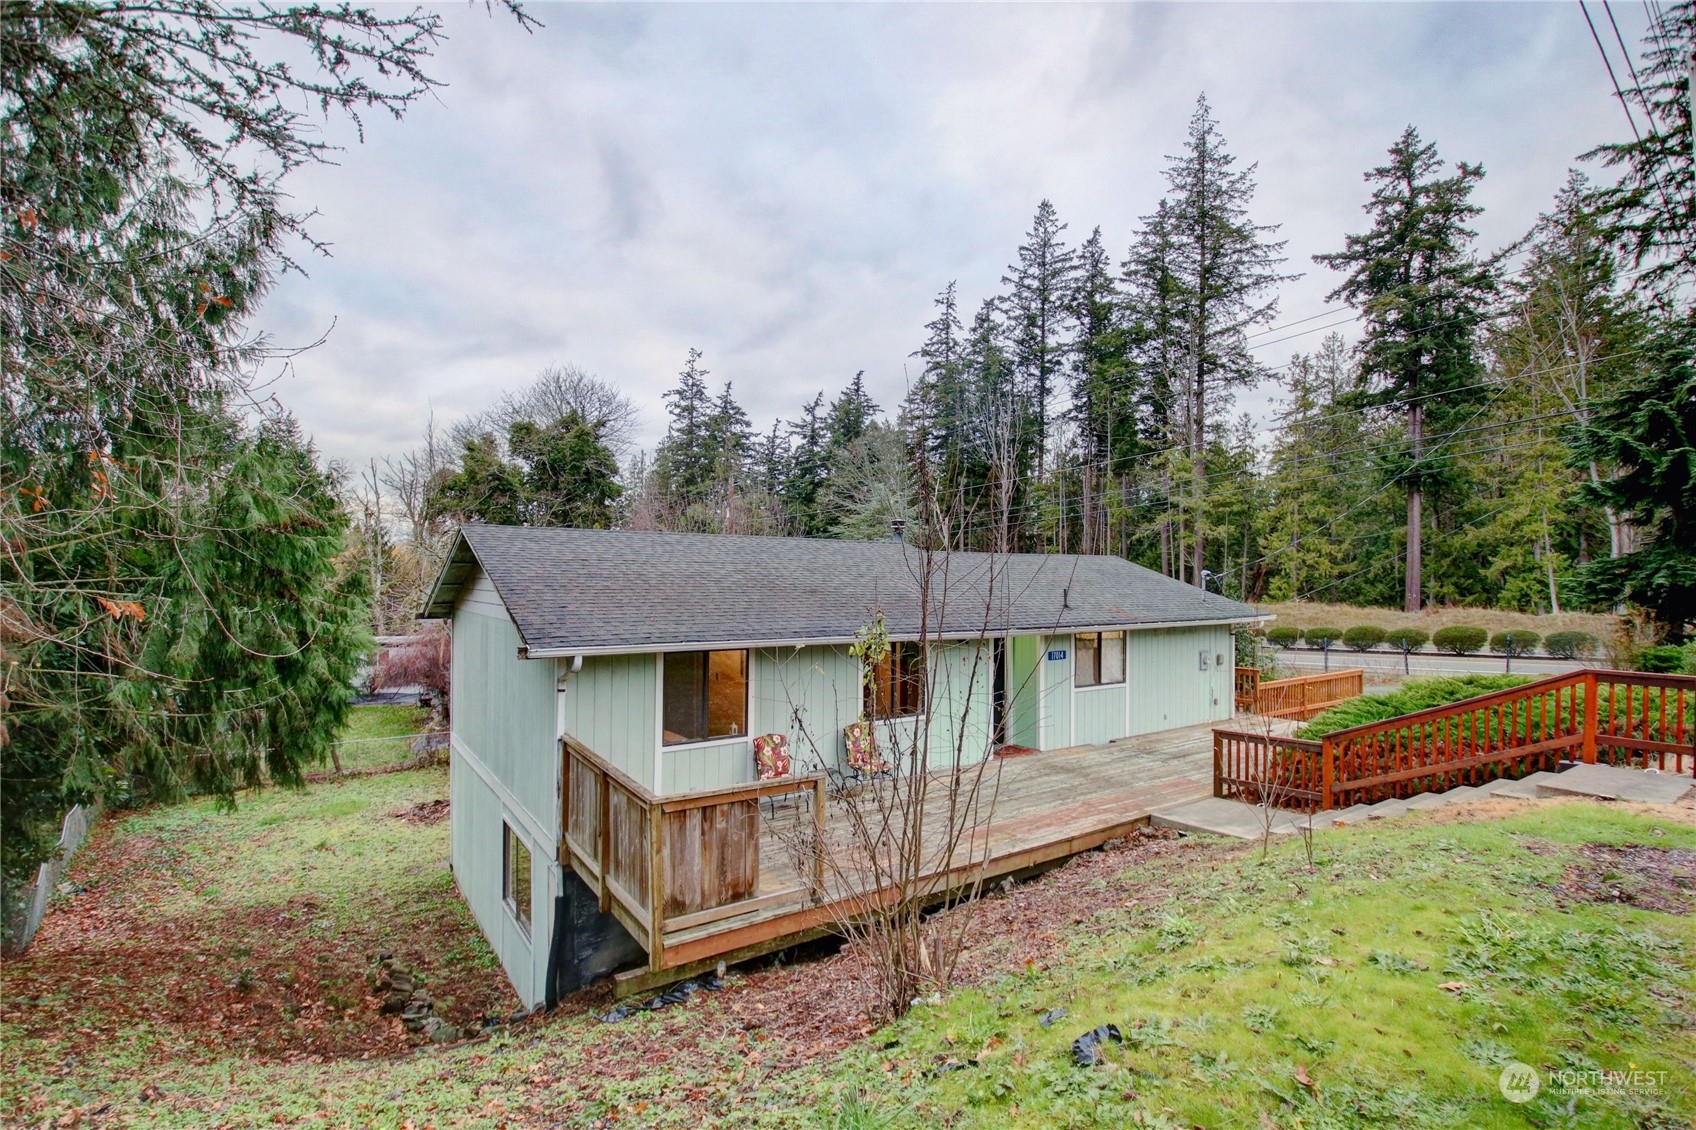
(786, 187)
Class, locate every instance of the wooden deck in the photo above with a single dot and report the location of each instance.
(680, 874)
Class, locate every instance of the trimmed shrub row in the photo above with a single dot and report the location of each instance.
(1460, 639)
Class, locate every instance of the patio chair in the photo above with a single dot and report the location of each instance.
(771, 761)
(863, 758)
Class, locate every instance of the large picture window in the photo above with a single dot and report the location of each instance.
(515, 883)
(706, 695)
(1100, 658)
(897, 687)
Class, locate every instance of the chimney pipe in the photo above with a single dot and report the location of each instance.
(898, 528)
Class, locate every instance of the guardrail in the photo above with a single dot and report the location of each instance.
(1612, 717)
(1305, 695)
(663, 865)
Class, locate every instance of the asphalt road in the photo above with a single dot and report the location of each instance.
(1389, 664)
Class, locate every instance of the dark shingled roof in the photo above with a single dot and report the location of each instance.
(597, 590)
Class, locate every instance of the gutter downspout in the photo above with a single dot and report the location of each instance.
(559, 947)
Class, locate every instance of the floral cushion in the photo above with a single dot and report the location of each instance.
(771, 756)
(862, 748)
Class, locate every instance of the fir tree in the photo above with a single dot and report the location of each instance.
(1650, 211)
(851, 413)
(1647, 428)
(686, 459)
(1422, 295)
(1105, 387)
(1224, 265)
(809, 468)
(1038, 315)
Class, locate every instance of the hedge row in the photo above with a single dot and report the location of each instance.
(1458, 639)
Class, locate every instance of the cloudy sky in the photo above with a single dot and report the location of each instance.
(786, 187)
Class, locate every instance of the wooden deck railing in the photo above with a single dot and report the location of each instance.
(1305, 695)
(1612, 717)
(1248, 689)
(663, 865)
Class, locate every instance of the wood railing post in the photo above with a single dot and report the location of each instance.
(603, 851)
(818, 839)
(1592, 716)
(656, 887)
(1327, 772)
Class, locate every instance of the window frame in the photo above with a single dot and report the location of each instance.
(706, 655)
(1097, 650)
(908, 684)
(522, 911)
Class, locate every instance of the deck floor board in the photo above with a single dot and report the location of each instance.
(1032, 809)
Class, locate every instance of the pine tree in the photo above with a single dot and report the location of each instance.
(1224, 266)
(1647, 427)
(809, 468)
(851, 413)
(1105, 388)
(729, 438)
(1038, 315)
(685, 461)
(1651, 211)
(1423, 295)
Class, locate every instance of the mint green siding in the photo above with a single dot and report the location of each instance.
(1024, 692)
(1169, 687)
(611, 706)
(1056, 691)
(503, 712)
(809, 693)
(1098, 714)
(503, 773)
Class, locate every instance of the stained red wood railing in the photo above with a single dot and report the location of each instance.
(1611, 717)
(1304, 696)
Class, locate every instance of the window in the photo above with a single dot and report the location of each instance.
(706, 695)
(897, 687)
(1100, 658)
(515, 884)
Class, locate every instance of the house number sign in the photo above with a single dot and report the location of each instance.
(1057, 654)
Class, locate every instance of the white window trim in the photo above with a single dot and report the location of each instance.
(507, 901)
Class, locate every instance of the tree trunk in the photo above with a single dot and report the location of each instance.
(1415, 511)
(1198, 479)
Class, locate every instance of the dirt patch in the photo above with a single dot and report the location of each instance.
(425, 812)
(1653, 878)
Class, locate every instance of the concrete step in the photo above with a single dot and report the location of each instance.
(1610, 782)
(1491, 788)
(1353, 814)
(1526, 788)
(1440, 800)
(1215, 816)
(1386, 808)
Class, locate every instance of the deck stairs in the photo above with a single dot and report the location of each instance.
(1233, 818)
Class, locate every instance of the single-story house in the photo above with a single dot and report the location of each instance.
(666, 654)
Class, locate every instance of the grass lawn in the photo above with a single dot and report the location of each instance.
(1385, 986)
(1388, 986)
(377, 735)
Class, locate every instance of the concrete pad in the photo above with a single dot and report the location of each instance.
(1610, 782)
(1216, 816)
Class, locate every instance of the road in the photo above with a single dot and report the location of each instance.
(1387, 664)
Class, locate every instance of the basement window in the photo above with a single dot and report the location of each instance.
(706, 695)
(515, 883)
(1100, 658)
(897, 685)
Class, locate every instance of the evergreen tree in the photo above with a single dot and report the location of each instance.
(1106, 391)
(809, 468)
(1423, 295)
(729, 438)
(1038, 316)
(1224, 265)
(1651, 211)
(851, 413)
(871, 485)
(1647, 428)
(686, 460)
(570, 474)
(486, 488)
